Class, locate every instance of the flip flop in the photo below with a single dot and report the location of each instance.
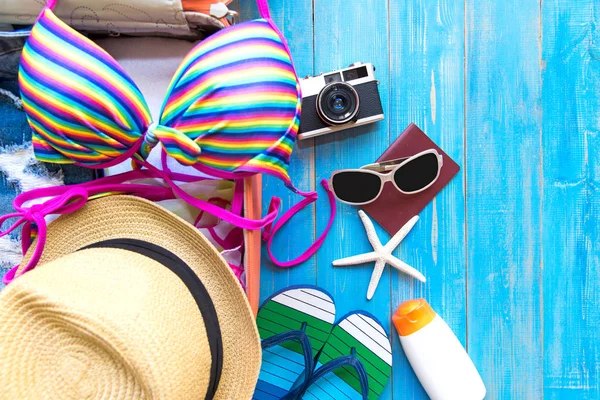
(355, 363)
(293, 324)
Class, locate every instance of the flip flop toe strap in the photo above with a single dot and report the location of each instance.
(298, 336)
(278, 341)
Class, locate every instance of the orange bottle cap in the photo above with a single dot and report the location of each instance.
(412, 315)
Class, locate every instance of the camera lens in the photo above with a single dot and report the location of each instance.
(337, 103)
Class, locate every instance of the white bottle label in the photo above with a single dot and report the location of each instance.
(442, 364)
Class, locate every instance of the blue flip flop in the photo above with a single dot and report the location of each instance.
(294, 325)
(355, 363)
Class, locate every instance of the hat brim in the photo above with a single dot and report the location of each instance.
(127, 217)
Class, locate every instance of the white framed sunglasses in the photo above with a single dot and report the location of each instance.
(409, 175)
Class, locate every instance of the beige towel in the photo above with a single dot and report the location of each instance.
(116, 16)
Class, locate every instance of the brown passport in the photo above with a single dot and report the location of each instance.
(393, 209)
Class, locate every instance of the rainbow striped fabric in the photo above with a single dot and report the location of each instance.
(236, 94)
(232, 106)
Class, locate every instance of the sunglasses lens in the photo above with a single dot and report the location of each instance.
(417, 174)
(356, 187)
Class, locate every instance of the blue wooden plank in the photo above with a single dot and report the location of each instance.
(503, 90)
(294, 19)
(571, 203)
(346, 32)
(427, 87)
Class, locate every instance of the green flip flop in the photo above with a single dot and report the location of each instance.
(355, 363)
(294, 324)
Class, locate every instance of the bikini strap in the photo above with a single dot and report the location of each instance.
(50, 4)
(309, 198)
(235, 219)
(67, 199)
(270, 227)
(35, 215)
(263, 8)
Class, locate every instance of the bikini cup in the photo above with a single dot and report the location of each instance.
(231, 110)
(233, 105)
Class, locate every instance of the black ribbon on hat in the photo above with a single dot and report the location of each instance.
(197, 290)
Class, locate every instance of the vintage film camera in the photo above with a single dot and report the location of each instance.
(339, 100)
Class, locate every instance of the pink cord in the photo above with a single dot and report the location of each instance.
(310, 198)
(67, 199)
(213, 200)
(71, 201)
(263, 8)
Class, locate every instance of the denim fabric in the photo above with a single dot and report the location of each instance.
(18, 170)
(11, 44)
(14, 129)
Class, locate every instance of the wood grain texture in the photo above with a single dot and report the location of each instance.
(503, 159)
(511, 246)
(346, 33)
(340, 28)
(571, 201)
(427, 88)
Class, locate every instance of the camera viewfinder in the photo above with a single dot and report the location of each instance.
(331, 78)
(356, 73)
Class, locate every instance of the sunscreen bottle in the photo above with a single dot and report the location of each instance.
(435, 354)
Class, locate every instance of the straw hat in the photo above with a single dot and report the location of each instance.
(128, 302)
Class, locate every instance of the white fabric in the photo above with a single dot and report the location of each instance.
(151, 63)
(118, 16)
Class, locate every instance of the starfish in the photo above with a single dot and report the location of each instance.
(381, 254)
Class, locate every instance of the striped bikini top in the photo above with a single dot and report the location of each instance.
(231, 110)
